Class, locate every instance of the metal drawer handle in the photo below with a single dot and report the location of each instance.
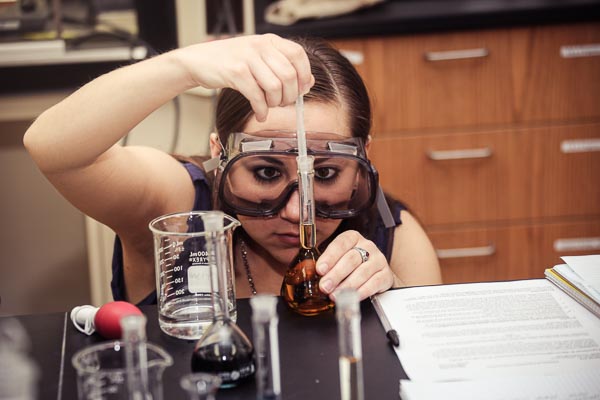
(466, 252)
(577, 244)
(456, 54)
(580, 145)
(464, 154)
(582, 50)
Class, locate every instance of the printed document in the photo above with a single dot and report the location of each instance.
(492, 329)
(584, 385)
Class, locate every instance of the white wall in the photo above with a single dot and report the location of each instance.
(43, 264)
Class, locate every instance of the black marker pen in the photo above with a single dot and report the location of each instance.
(391, 333)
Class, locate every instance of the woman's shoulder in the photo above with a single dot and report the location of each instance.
(194, 166)
(201, 180)
(396, 207)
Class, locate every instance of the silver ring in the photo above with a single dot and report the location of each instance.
(363, 254)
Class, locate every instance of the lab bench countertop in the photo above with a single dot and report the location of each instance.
(308, 355)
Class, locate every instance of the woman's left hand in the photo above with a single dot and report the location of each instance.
(342, 266)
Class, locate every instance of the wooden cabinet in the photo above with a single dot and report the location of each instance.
(440, 81)
(493, 140)
(556, 72)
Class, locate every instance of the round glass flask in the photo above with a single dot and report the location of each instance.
(223, 349)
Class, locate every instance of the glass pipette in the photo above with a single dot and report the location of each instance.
(300, 288)
(306, 177)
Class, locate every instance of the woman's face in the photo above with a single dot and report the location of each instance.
(279, 235)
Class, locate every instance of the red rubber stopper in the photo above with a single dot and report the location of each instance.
(108, 317)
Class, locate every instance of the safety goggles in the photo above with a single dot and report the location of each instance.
(258, 173)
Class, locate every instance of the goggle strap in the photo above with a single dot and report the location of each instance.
(211, 164)
(384, 209)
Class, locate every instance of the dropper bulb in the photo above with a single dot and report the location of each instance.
(108, 318)
(105, 319)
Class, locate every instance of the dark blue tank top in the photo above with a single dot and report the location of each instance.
(383, 237)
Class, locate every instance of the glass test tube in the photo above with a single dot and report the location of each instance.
(266, 346)
(349, 339)
(136, 355)
(306, 176)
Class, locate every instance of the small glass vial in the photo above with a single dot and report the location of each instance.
(349, 338)
(200, 386)
(266, 347)
(136, 355)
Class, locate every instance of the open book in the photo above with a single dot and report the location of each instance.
(477, 333)
(580, 279)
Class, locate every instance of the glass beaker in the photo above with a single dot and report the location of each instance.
(102, 373)
(183, 286)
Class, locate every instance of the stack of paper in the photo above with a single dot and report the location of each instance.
(584, 385)
(495, 340)
(580, 279)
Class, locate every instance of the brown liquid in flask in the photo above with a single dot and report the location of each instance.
(300, 288)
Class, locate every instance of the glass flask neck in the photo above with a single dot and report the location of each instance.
(217, 245)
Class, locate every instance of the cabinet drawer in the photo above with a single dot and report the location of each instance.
(439, 190)
(563, 175)
(557, 72)
(502, 175)
(515, 252)
(439, 80)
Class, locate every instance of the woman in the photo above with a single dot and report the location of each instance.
(75, 145)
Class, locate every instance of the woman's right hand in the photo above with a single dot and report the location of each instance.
(268, 70)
